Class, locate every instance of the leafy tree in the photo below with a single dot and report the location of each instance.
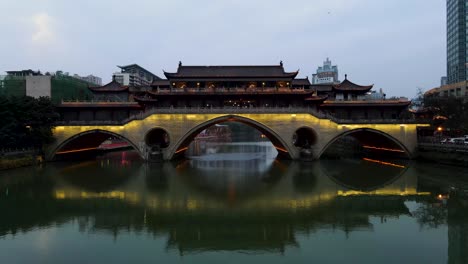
(455, 109)
(26, 121)
(431, 215)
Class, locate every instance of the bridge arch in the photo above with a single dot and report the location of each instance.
(97, 135)
(366, 135)
(280, 144)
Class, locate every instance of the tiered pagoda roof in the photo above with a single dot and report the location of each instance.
(301, 82)
(227, 73)
(348, 86)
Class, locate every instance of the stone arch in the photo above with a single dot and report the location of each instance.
(370, 130)
(88, 132)
(280, 144)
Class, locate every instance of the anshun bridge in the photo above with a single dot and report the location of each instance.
(300, 119)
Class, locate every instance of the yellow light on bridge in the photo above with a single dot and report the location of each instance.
(440, 129)
(293, 115)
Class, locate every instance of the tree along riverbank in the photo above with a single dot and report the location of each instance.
(25, 127)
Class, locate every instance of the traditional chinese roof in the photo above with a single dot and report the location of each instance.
(301, 82)
(349, 86)
(315, 98)
(113, 86)
(221, 72)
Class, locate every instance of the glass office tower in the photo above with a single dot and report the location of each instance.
(457, 61)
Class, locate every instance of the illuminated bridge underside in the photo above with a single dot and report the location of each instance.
(279, 128)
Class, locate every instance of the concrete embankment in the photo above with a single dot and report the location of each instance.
(17, 160)
(444, 154)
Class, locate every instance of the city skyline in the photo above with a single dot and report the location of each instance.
(398, 53)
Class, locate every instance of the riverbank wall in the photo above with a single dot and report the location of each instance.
(12, 160)
(444, 154)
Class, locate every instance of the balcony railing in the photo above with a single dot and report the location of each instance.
(229, 90)
(241, 110)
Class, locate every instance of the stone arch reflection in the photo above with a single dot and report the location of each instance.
(363, 174)
(97, 176)
(230, 181)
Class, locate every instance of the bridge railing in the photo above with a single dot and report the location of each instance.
(241, 110)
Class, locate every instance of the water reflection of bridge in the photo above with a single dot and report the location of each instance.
(261, 212)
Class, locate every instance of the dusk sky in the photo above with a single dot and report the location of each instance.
(398, 45)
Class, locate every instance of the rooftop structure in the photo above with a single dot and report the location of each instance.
(234, 73)
(252, 86)
(241, 86)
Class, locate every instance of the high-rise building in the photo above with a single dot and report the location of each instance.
(90, 79)
(457, 56)
(326, 74)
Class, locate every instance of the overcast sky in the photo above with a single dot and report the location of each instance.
(398, 45)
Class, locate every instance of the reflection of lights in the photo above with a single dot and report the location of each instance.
(131, 197)
(262, 136)
(384, 163)
(76, 150)
(124, 160)
(180, 150)
(385, 149)
(385, 192)
(280, 149)
(442, 197)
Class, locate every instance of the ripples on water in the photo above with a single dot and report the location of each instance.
(241, 209)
